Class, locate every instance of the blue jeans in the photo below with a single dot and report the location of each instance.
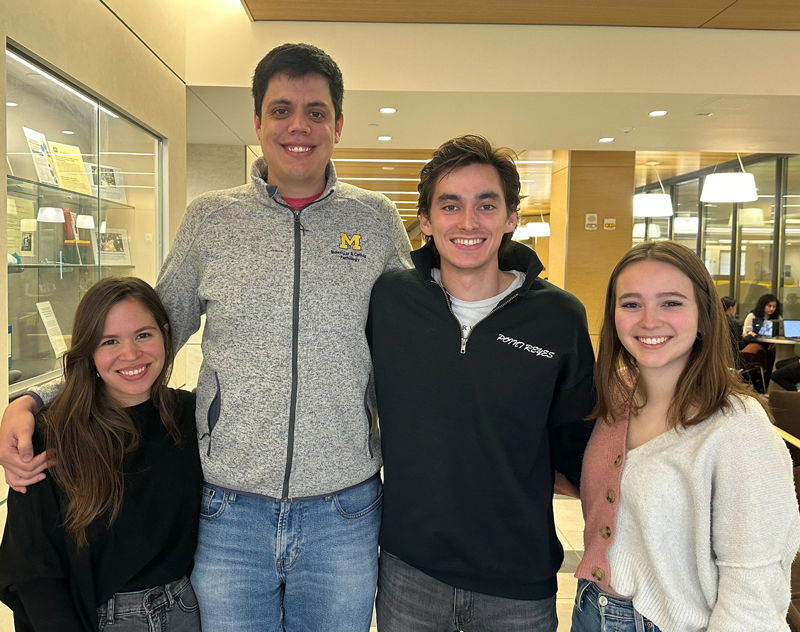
(303, 566)
(170, 608)
(596, 611)
(411, 601)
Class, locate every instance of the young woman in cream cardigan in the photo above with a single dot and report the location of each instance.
(691, 517)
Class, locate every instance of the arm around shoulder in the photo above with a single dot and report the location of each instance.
(22, 468)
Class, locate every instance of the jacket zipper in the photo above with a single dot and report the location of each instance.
(464, 339)
(298, 230)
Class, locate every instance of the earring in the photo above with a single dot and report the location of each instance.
(700, 335)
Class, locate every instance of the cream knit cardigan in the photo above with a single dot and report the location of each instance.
(707, 526)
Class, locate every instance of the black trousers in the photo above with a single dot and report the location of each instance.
(787, 373)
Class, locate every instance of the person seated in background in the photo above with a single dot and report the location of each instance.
(755, 356)
(768, 307)
(109, 537)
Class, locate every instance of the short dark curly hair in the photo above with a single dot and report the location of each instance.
(462, 151)
(297, 61)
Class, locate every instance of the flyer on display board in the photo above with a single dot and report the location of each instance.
(70, 168)
(108, 180)
(52, 328)
(42, 159)
(114, 247)
(12, 226)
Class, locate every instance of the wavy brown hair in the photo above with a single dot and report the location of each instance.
(87, 432)
(706, 382)
(462, 151)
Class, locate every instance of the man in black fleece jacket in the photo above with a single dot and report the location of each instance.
(483, 374)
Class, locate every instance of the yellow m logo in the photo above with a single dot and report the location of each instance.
(353, 242)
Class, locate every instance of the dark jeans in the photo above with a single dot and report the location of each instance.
(595, 611)
(411, 601)
(170, 608)
(787, 373)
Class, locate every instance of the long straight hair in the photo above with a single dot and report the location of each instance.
(706, 382)
(89, 432)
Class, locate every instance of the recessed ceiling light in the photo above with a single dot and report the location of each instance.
(67, 131)
(388, 110)
(384, 138)
(605, 139)
(657, 113)
(11, 104)
(388, 168)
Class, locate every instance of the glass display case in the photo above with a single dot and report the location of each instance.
(83, 203)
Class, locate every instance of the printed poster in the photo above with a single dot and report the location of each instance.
(52, 328)
(107, 181)
(42, 160)
(114, 247)
(70, 169)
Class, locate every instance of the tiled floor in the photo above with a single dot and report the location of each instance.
(569, 525)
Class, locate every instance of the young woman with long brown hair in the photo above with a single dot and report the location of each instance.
(108, 538)
(691, 515)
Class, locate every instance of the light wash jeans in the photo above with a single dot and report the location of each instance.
(411, 601)
(170, 608)
(596, 611)
(304, 566)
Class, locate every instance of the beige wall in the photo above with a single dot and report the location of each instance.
(86, 42)
(214, 167)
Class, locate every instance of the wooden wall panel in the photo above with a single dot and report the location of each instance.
(608, 191)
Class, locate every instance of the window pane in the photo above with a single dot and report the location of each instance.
(790, 295)
(756, 227)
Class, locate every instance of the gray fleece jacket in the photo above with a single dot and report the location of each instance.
(284, 406)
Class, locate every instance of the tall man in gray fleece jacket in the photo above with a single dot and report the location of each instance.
(283, 268)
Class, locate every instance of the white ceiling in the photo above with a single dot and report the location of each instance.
(526, 120)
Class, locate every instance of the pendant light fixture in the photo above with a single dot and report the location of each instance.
(653, 204)
(730, 187)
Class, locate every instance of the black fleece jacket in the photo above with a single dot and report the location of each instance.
(471, 438)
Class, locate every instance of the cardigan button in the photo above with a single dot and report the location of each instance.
(618, 461)
(611, 496)
(605, 532)
(598, 574)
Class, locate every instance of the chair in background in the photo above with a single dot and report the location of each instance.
(785, 407)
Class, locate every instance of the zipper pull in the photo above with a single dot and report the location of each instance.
(463, 345)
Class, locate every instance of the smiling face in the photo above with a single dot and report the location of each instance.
(131, 353)
(467, 219)
(297, 129)
(656, 317)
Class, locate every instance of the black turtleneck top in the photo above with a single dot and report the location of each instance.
(53, 585)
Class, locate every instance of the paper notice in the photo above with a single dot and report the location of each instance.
(70, 168)
(42, 159)
(12, 223)
(53, 330)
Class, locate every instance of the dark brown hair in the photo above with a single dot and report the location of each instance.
(87, 431)
(706, 382)
(463, 151)
(297, 61)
